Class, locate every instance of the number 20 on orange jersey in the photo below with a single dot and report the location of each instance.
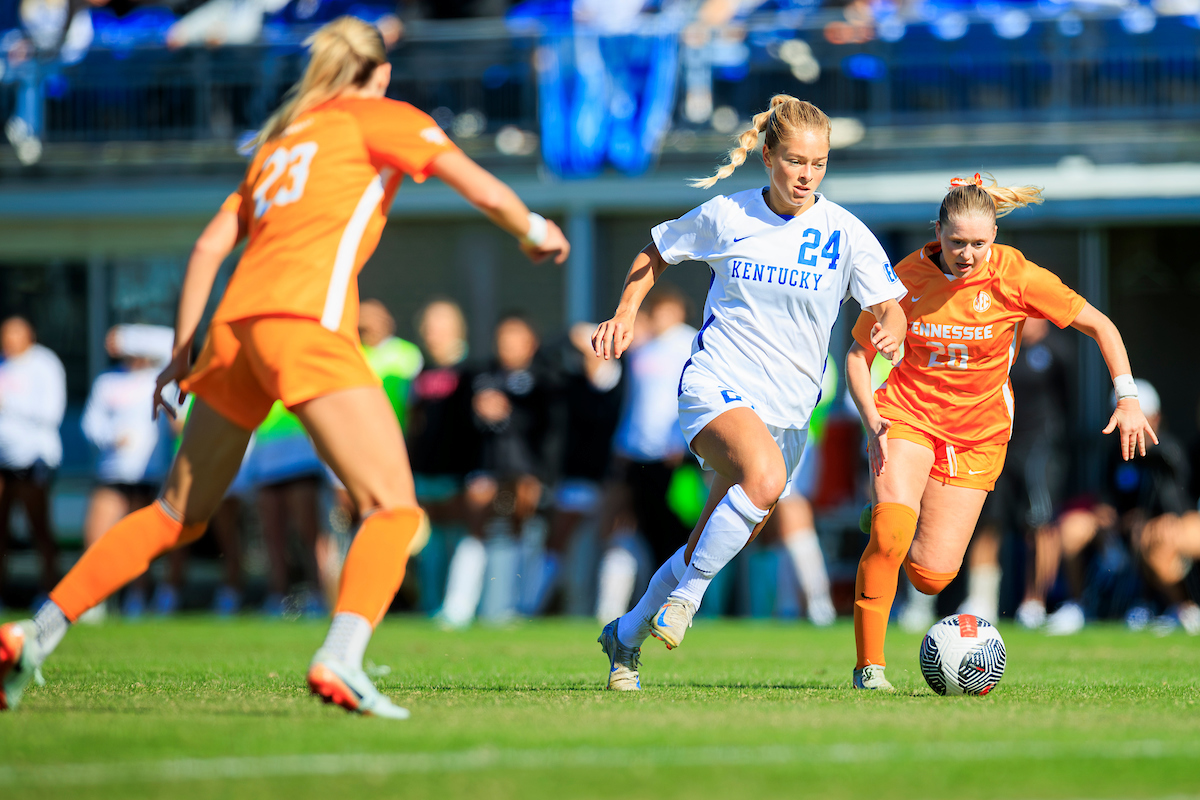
(291, 164)
(957, 352)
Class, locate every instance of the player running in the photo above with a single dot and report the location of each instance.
(313, 204)
(782, 258)
(939, 427)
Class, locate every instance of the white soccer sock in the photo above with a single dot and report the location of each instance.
(983, 591)
(724, 536)
(51, 624)
(634, 627)
(618, 572)
(464, 584)
(805, 551)
(347, 638)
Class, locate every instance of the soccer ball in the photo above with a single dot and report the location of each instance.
(962, 654)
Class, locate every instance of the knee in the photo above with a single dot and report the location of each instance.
(926, 581)
(893, 526)
(190, 533)
(764, 482)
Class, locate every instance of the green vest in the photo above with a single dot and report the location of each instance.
(396, 362)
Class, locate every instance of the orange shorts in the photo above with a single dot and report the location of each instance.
(975, 467)
(246, 365)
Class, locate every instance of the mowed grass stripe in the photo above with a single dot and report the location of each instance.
(487, 758)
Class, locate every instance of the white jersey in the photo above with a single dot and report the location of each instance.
(134, 448)
(33, 398)
(777, 285)
(649, 426)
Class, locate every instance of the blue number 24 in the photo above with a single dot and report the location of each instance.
(831, 250)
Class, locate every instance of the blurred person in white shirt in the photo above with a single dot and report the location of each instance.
(649, 446)
(33, 397)
(134, 448)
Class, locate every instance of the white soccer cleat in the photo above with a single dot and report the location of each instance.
(671, 622)
(1031, 614)
(19, 661)
(623, 661)
(872, 677)
(1067, 620)
(350, 688)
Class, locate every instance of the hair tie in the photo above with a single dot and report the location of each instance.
(967, 181)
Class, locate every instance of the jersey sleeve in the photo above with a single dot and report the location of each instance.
(400, 135)
(862, 330)
(872, 279)
(692, 237)
(1044, 295)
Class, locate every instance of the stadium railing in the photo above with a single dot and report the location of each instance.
(478, 77)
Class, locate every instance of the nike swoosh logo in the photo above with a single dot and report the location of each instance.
(975, 471)
(735, 241)
(662, 619)
(915, 299)
(864, 596)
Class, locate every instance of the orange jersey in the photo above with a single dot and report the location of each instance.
(963, 336)
(314, 203)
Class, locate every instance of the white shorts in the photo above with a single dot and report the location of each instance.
(702, 399)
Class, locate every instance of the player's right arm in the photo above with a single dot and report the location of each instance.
(613, 336)
(215, 244)
(858, 381)
(501, 205)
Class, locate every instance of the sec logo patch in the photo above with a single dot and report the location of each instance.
(983, 302)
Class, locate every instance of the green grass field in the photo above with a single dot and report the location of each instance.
(201, 709)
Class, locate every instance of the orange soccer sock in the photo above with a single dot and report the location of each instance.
(119, 556)
(893, 526)
(375, 564)
(926, 581)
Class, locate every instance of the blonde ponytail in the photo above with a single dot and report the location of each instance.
(345, 53)
(970, 196)
(786, 118)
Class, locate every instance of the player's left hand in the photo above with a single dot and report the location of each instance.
(555, 245)
(885, 343)
(178, 368)
(1135, 430)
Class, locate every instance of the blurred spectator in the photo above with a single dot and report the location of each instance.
(511, 410)
(134, 448)
(1028, 493)
(396, 361)
(240, 22)
(591, 395)
(441, 437)
(287, 475)
(33, 398)
(649, 446)
(793, 526)
(1144, 513)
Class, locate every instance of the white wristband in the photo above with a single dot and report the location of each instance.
(536, 235)
(1125, 386)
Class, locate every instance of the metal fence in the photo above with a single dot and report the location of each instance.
(209, 95)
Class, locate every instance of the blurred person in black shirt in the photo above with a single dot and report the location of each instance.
(1030, 489)
(442, 441)
(440, 434)
(510, 407)
(590, 395)
(1145, 512)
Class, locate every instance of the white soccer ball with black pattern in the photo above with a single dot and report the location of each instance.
(962, 654)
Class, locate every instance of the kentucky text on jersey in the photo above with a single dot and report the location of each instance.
(764, 273)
